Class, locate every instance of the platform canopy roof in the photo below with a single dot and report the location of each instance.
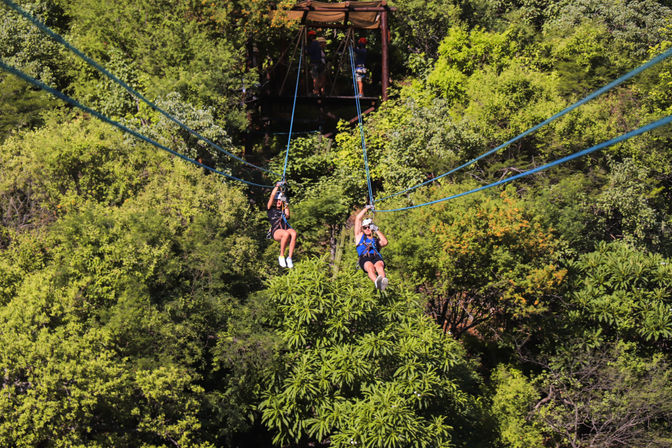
(357, 14)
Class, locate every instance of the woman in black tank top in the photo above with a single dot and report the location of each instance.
(278, 215)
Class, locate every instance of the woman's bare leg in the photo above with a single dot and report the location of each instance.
(282, 236)
(292, 241)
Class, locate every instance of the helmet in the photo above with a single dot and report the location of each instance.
(362, 40)
(367, 222)
(280, 196)
(312, 33)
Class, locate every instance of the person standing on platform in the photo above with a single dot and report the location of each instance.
(360, 64)
(317, 61)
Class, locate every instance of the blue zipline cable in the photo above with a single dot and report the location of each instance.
(130, 90)
(643, 129)
(116, 124)
(291, 122)
(361, 126)
(593, 95)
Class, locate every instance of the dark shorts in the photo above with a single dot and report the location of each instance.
(373, 258)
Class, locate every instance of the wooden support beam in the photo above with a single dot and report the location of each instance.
(384, 43)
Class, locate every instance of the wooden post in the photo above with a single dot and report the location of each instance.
(385, 34)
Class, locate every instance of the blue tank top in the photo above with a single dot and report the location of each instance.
(367, 245)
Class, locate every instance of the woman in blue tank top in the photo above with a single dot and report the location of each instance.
(370, 240)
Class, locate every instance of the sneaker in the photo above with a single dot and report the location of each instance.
(288, 260)
(281, 260)
(378, 281)
(383, 284)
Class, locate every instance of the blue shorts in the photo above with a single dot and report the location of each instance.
(360, 72)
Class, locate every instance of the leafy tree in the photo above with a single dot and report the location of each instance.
(625, 291)
(22, 106)
(634, 25)
(482, 261)
(511, 405)
(423, 23)
(72, 158)
(171, 50)
(361, 369)
(567, 206)
(627, 207)
(604, 397)
(111, 305)
(24, 46)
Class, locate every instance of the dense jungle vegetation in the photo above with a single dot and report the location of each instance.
(142, 306)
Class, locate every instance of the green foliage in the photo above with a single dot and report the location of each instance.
(172, 406)
(482, 258)
(626, 291)
(567, 207)
(657, 98)
(171, 48)
(511, 404)
(25, 47)
(587, 58)
(50, 171)
(114, 289)
(201, 120)
(360, 368)
(627, 207)
(137, 305)
(423, 24)
(310, 159)
(507, 103)
(634, 25)
(605, 396)
(407, 140)
(21, 105)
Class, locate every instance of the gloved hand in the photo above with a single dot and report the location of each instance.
(368, 207)
(280, 183)
(373, 227)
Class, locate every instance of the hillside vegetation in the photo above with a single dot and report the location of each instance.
(141, 304)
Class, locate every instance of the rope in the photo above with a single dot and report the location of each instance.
(361, 127)
(291, 123)
(593, 95)
(116, 124)
(648, 127)
(98, 67)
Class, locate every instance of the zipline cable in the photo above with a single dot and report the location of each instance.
(116, 124)
(58, 38)
(593, 95)
(361, 127)
(643, 129)
(291, 122)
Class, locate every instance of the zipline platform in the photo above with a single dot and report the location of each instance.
(321, 99)
(338, 26)
(313, 113)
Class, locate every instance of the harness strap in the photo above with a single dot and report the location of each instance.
(369, 246)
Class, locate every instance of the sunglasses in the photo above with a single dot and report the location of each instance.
(365, 227)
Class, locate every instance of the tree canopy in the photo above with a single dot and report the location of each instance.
(141, 303)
